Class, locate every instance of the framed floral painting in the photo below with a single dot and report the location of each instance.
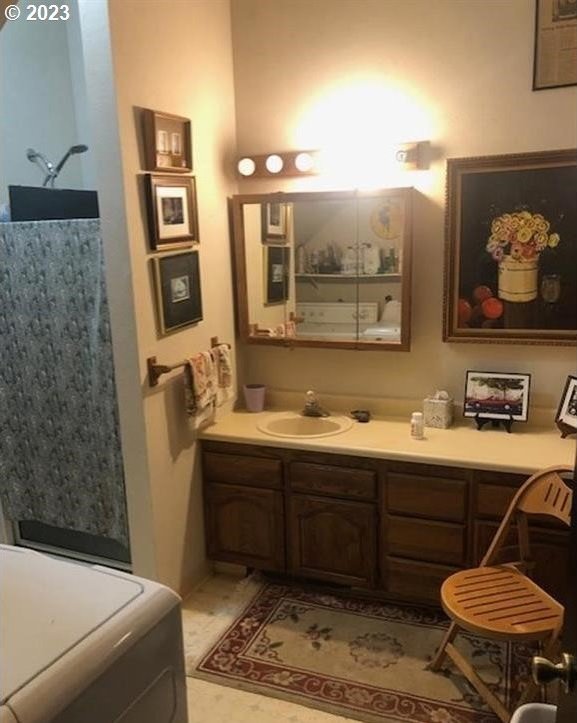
(511, 249)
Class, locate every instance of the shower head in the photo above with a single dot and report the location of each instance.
(70, 152)
(40, 160)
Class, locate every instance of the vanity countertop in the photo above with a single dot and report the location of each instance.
(525, 450)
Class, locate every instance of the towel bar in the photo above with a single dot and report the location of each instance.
(156, 370)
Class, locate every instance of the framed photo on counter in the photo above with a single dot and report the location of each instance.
(497, 395)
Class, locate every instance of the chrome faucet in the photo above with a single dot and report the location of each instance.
(312, 406)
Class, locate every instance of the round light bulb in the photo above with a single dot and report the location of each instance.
(304, 162)
(274, 164)
(246, 166)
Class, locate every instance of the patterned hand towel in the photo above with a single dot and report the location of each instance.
(222, 360)
(200, 387)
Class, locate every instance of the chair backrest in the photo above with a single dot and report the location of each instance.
(544, 493)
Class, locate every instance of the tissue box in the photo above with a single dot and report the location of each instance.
(438, 412)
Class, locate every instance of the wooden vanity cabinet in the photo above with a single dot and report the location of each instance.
(244, 507)
(424, 532)
(332, 519)
(398, 527)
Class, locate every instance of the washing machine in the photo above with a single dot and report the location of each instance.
(87, 644)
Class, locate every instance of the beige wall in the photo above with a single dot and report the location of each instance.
(176, 57)
(336, 74)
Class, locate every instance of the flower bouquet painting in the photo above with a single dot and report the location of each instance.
(511, 249)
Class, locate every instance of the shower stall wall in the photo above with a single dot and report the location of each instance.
(61, 472)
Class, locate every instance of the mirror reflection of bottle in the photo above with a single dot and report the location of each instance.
(301, 259)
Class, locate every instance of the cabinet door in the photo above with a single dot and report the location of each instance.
(333, 540)
(245, 525)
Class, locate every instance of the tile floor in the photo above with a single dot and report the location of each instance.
(206, 614)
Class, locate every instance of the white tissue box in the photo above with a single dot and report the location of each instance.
(438, 412)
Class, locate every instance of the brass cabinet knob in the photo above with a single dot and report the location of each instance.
(544, 671)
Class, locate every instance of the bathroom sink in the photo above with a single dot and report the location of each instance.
(535, 713)
(292, 424)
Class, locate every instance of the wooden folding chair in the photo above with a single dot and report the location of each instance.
(500, 601)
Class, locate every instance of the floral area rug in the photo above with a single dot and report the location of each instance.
(361, 659)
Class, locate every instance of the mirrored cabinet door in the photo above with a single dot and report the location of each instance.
(324, 269)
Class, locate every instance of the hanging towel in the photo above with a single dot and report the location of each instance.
(221, 356)
(200, 386)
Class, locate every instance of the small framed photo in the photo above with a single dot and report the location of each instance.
(555, 39)
(277, 267)
(567, 412)
(274, 222)
(167, 142)
(172, 213)
(497, 395)
(178, 294)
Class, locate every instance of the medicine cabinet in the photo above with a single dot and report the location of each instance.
(325, 269)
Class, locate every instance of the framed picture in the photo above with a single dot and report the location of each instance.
(167, 142)
(172, 214)
(178, 294)
(274, 222)
(554, 63)
(277, 267)
(511, 249)
(567, 412)
(496, 395)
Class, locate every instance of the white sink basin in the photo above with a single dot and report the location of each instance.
(292, 424)
(535, 713)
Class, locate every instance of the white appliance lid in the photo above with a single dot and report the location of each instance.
(47, 606)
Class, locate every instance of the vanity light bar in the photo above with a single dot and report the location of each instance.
(278, 165)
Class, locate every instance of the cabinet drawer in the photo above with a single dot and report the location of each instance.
(242, 470)
(426, 540)
(332, 480)
(416, 580)
(493, 500)
(442, 499)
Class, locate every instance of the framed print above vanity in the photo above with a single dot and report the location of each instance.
(324, 269)
(511, 249)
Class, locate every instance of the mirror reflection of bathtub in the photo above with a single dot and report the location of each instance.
(348, 322)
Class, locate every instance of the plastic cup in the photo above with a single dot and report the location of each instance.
(254, 397)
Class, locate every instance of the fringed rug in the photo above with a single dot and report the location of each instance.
(360, 659)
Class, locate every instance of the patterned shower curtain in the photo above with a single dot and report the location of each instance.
(60, 454)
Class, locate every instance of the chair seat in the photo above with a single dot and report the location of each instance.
(500, 601)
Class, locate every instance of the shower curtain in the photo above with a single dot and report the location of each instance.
(60, 454)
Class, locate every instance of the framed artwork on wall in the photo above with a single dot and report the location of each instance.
(497, 395)
(167, 142)
(554, 63)
(172, 212)
(511, 249)
(274, 222)
(567, 412)
(277, 267)
(178, 293)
